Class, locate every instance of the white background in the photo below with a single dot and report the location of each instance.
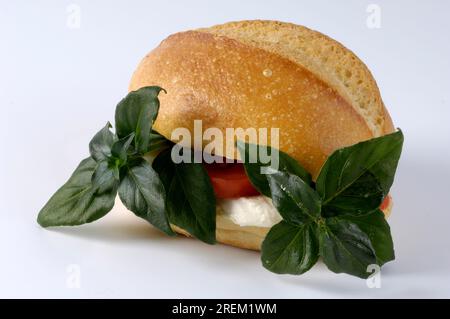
(59, 85)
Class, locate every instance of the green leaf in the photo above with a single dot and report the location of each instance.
(191, 201)
(357, 178)
(346, 248)
(142, 192)
(100, 145)
(363, 196)
(295, 200)
(375, 226)
(158, 142)
(104, 178)
(120, 148)
(250, 155)
(77, 201)
(136, 114)
(290, 249)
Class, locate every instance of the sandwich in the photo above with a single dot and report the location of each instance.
(337, 149)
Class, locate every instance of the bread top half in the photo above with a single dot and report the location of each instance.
(266, 74)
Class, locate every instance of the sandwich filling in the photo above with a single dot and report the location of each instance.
(240, 202)
(249, 211)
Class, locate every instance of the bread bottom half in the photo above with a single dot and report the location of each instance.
(229, 233)
(246, 237)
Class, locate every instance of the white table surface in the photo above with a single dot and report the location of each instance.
(59, 85)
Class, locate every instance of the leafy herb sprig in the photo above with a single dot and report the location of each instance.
(338, 217)
(179, 194)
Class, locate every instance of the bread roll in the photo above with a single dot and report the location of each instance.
(265, 74)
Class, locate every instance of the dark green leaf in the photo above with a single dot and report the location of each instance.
(190, 197)
(250, 155)
(158, 142)
(104, 178)
(345, 248)
(358, 177)
(375, 226)
(136, 114)
(142, 192)
(290, 249)
(363, 196)
(100, 145)
(120, 148)
(77, 201)
(296, 201)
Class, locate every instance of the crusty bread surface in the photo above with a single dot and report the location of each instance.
(265, 74)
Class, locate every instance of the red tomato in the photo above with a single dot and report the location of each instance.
(385, 204)
(229, 180)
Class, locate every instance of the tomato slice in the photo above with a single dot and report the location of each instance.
(229, 180)
(385, 204)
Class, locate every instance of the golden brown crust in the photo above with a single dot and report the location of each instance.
(325, 57)
(227, 84)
